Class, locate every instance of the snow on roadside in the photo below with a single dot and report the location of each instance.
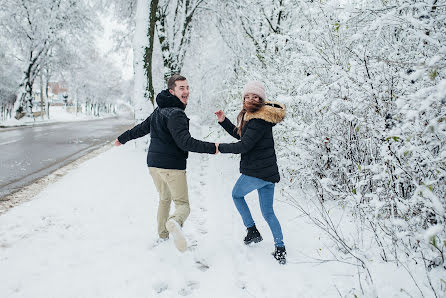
(57, 114)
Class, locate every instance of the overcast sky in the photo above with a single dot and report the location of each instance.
(123, 59)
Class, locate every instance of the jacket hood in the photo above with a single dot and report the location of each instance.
(166, 100)
(273, 112)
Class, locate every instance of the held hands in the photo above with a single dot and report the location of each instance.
(220, 115)
(216, 148)
(117, 143)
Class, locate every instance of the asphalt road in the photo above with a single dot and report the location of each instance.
(29, 153)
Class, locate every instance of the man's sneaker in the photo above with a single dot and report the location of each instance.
(253, 235)
(159, 241)
(280, 255)
(178, 237)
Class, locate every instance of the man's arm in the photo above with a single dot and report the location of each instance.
(254, 132)
(177, 125)
(138, 131)
(230, 128)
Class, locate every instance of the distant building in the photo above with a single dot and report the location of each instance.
(58, 93)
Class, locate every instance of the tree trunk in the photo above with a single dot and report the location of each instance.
(24, 103)
(148, 51)
(76, 103)
(42, 100)
(47, 82)
(142, 106)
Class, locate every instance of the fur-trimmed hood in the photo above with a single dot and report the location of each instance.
(272, 112)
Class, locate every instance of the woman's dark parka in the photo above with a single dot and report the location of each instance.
(256, 145)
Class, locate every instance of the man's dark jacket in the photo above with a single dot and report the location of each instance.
(256, 143)
(170, 139)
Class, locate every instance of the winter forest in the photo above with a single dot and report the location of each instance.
(364, 84)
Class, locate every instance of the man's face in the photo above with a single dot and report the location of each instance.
(181, 91)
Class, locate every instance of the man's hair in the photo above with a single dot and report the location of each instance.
(171, 82)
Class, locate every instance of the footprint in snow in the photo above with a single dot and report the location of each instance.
(202, 265)
(190, 286)
(241, 284)
(157, 242)
(160, 286)
(202, 230)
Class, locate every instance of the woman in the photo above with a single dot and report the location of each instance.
(258, 164)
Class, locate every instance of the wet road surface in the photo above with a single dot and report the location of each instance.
(30, 153)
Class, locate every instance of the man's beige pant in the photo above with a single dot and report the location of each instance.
(172, 186)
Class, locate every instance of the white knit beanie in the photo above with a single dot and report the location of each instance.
(255, 87)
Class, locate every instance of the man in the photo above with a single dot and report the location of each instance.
(170, 142)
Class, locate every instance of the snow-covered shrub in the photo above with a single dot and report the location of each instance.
(365, 88)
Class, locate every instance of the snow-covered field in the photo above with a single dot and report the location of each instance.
(93, 234)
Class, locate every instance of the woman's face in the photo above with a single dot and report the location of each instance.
(252, 98)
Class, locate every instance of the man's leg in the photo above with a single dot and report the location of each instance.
(176, 180)
(164, 202)
(177, 183)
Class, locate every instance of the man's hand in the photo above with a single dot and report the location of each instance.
(220, 115)
(117, 143)
(216, 148)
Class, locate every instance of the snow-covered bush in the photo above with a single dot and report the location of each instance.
(365, 88)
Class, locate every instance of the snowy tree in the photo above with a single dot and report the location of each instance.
(172, 21)
(35, 27)
(139, 18)
(9, 81)
(174, 26)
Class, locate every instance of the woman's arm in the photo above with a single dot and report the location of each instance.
(230, 128)
(226, 124)
(255, 129)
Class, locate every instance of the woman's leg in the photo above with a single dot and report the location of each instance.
(243, 186)
(266, 199)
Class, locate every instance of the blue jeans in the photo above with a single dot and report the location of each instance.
(246, 184)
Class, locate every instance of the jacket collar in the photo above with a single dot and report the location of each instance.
(272, 112)
(166, 100)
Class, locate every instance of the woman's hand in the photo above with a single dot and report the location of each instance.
(220, 115)
(117, 143)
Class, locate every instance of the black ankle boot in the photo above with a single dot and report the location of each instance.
(280, 255)
(253, 235)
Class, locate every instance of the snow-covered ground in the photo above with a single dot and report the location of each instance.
(57, 114)
(93, 234)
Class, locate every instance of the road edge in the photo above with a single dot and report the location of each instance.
(30, 191)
